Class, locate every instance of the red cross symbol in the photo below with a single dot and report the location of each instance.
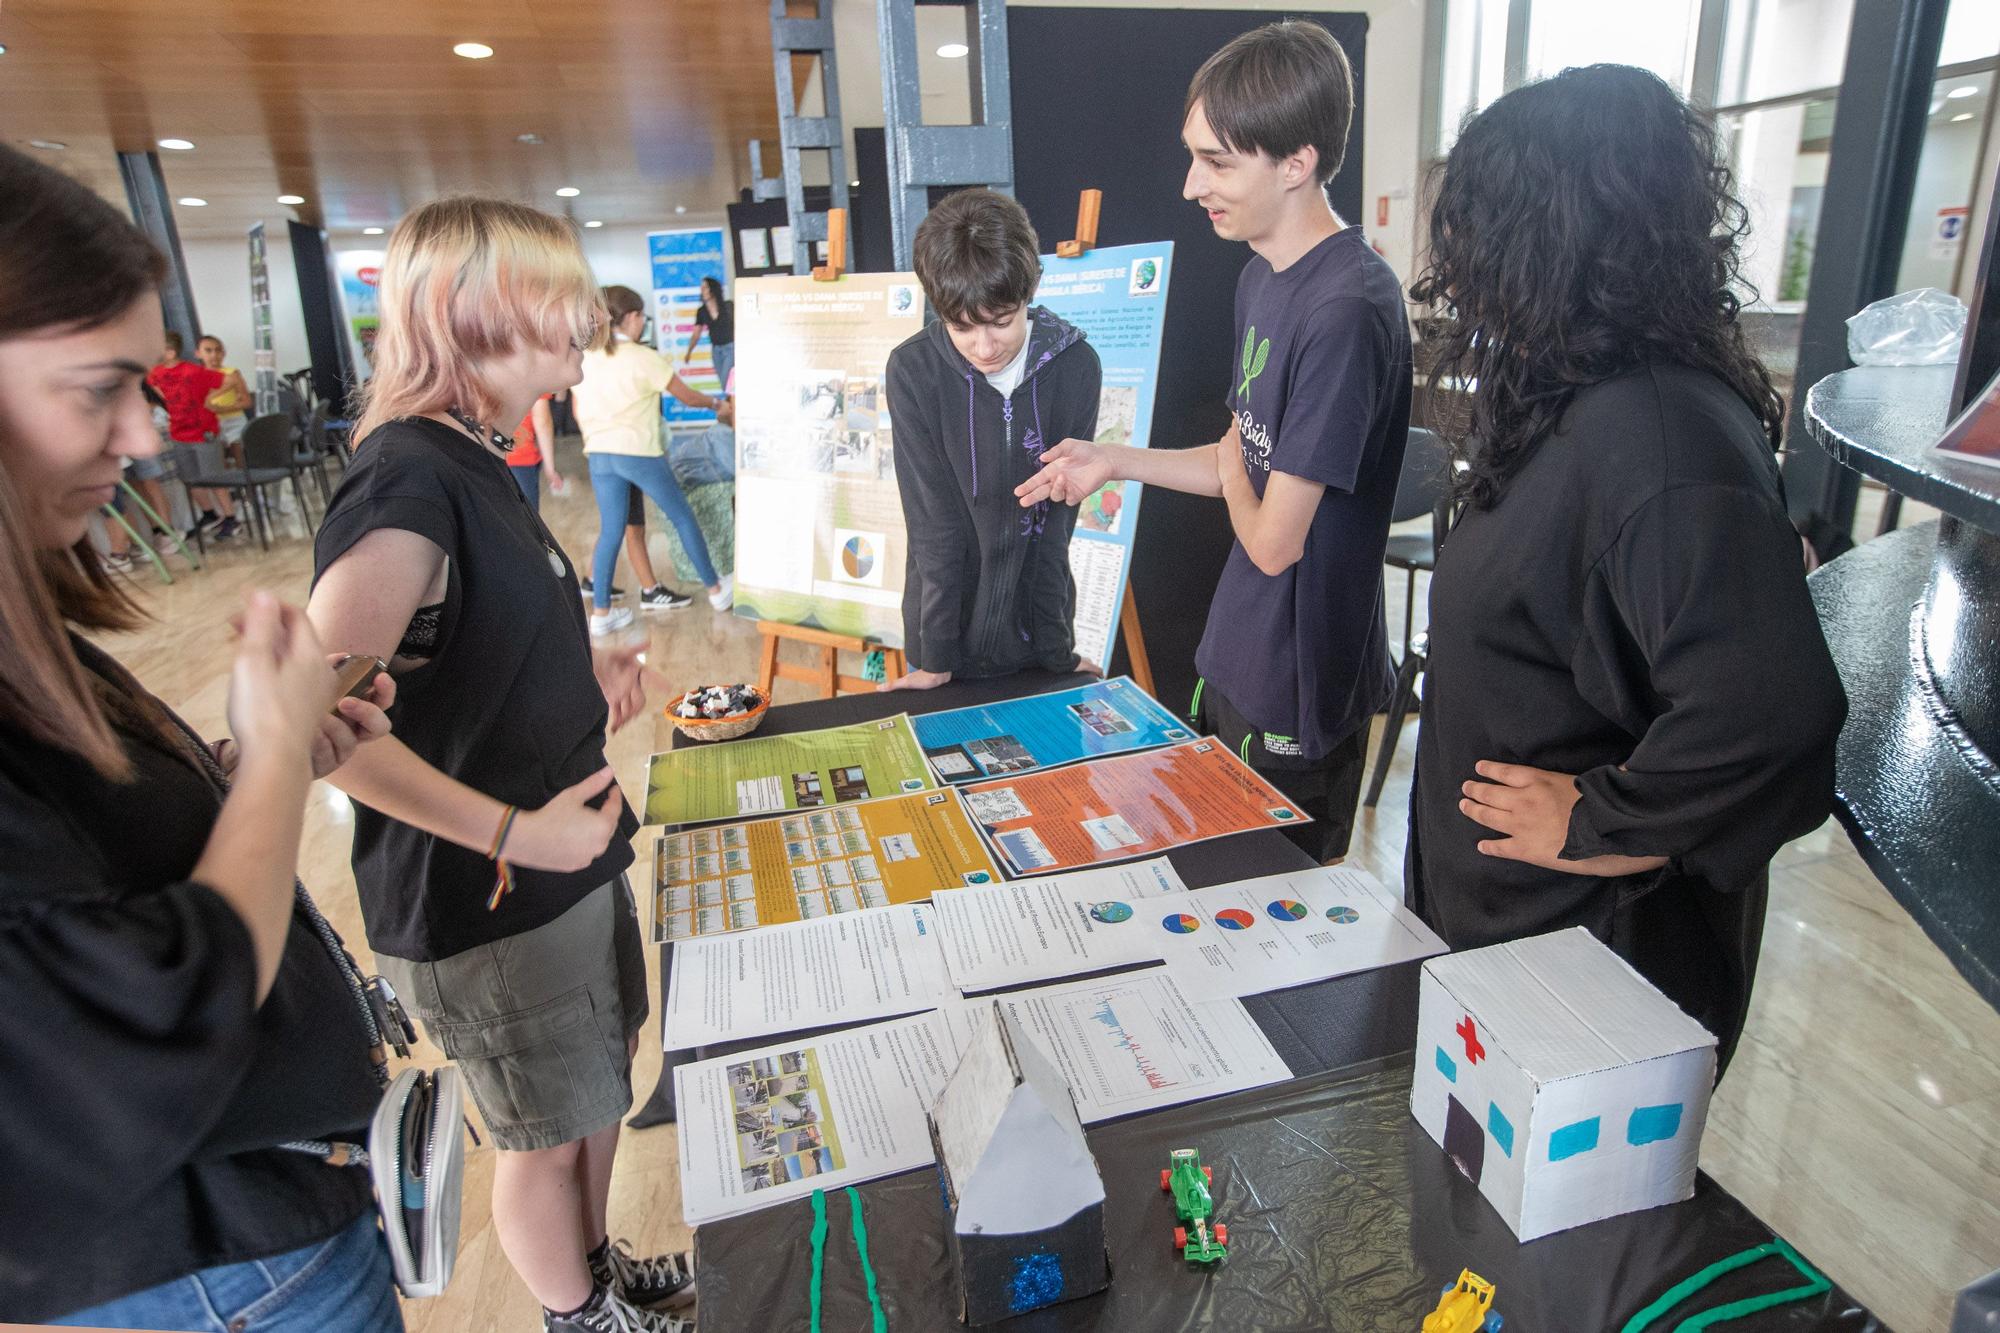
(1466, 1029)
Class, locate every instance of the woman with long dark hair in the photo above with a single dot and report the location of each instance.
(1628, 704)
(172, 1010)
(716, 316)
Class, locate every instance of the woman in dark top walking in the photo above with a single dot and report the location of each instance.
(171, 1010)
(717, 316)
(1628, 704)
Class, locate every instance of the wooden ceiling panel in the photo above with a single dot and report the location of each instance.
(361, 106)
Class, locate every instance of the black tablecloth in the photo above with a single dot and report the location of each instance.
(1342, 1212)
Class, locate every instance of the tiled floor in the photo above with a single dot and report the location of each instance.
(1861, 1118)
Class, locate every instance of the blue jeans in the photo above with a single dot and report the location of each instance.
(725, 361)
(340, 1285)
(612, 477)
(529, 479)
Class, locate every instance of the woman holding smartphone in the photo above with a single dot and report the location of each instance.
(490, 840)
(170, 1011)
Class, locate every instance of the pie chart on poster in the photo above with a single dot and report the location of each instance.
(1285, 909)
(857, 557)
(1111, 913)
(1181, 923)
(1234, 918)
(1342, 916)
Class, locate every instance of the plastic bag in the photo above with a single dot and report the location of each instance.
(1918, 328)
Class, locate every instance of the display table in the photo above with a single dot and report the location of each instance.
(1342, 1213)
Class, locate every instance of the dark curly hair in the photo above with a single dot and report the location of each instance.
(1582, 227)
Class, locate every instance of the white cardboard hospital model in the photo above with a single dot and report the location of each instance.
(1560, 1081)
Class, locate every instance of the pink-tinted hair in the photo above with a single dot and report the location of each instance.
(467, 280)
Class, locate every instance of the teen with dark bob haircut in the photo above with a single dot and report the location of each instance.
(1628, 706)
(172, 1009)
(977, 395)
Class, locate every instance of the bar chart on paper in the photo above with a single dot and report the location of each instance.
(1128, 1057)
(1134, 1041)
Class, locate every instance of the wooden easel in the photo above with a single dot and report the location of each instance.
(825, 674)
(1089, 206)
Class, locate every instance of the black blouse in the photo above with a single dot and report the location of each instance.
(1633, 611)
(142, 1088)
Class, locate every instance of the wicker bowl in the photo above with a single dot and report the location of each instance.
(719, 728)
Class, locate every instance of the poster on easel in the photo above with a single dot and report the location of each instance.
(819, 521)
(360, 273)
(680, 260)
(1118, 297)
(262, 343)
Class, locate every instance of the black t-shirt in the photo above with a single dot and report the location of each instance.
(145, 1088)
(1632, 611)
(1320, 390)
(508, 704)
(722, 327)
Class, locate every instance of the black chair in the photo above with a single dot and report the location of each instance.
(202, 466)
(323, 441)
(271, 445)
(1418, 490)
(1425, 478)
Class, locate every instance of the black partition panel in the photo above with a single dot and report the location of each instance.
(1097, 99)
(333, 375)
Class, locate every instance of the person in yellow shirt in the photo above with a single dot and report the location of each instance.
(231, 403)
(618, 410)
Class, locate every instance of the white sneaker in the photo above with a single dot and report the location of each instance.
(609, 621)
(724, 595)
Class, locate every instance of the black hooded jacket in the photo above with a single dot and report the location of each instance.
(987, 588)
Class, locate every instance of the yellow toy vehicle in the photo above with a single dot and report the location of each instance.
(1465, 1307)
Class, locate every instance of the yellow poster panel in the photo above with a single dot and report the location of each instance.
(764, 872)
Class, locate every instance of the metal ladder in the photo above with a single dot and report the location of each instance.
(797, 133)
(920, 155)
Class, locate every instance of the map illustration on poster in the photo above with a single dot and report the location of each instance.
(680, 260)
(819, 522)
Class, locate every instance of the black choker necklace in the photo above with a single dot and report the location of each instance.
(504, 443)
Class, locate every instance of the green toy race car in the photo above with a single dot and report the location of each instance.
(1198, 1240)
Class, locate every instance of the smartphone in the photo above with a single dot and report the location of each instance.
(354, 676)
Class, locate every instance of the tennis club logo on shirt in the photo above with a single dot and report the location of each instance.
(1255, 354)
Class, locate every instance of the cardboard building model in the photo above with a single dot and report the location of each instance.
(1560, 1081)
(1021, 1190)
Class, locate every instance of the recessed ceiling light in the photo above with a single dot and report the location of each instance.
(371, 231)
(530, 137)
(472, 50)
(53, 145)
(680, 208)
(854, 185)
(593, 223)
(568, 192)
(3, 48)
(1963, 115)
(178, 145)
(189, 201)
(1964, 90)
(291, 199)
(954, 50)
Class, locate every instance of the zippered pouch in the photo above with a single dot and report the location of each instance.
(416, 1155)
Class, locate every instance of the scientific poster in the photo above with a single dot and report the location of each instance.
(809, 974)
(819, 522)
(264, 356)
(680, 260)
(1126, 806)
(772, 1125)
(1118, 296)
(1062, 926)
(765, 775)
(897, 849)
(1045, 730)
(360, 273)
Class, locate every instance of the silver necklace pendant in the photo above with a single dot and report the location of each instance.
(555, 561)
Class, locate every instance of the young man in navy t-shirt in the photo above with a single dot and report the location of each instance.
(1295, 660)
